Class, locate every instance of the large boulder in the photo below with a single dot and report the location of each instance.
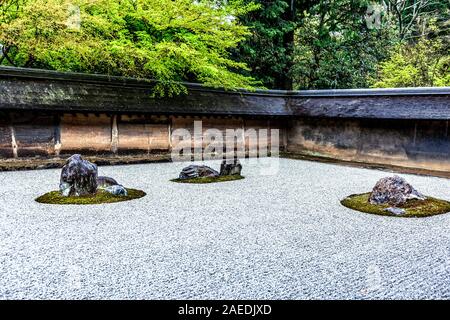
(197, 171)
(394, 191)
(230, 168)
(78, 177)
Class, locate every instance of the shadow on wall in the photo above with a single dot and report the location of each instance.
(423, 144)
(31, 134)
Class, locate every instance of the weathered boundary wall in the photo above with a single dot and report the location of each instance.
(421, 144)
(51, 114)
(29, 134)
(389, 127)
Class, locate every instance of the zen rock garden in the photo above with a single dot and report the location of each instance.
(80, 184)
(395, 196)
(291, 223)
(229, 170)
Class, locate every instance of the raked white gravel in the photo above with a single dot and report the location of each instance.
(282, 236)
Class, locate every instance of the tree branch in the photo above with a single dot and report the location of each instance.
(5, 55)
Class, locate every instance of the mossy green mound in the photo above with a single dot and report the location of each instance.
(55, 197)
(209, 179)
(413, 208)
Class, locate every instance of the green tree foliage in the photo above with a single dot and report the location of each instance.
(415, 65)
(335, 48)
(268, 51)
(419, 18)
(333, 45)
(284, 44)
(421, 55)
(166, 40)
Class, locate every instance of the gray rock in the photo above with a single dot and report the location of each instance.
(396, 211)
(196, 171)
(104, 182)
(230, 168)
(78, 177)
(393, 190)
(117, 190)
(65, 188)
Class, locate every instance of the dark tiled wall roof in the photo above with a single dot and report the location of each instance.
(30, 89)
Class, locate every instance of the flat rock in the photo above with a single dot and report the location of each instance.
(117, 190)
(394, 191)
(197, 171)
(396, 211)
(78, 177)
(104, 182)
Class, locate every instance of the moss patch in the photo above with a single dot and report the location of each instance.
(413, 208)
(55, 197)
(209, 179)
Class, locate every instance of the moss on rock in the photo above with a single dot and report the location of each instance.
(413, 208)
(209, 179)
(55, 197)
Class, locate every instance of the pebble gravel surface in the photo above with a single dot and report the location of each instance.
(282, 235)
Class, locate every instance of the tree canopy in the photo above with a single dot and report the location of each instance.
(339, 43)
(268, 50)
(279, 44)
(420, 65)
(166, 40)
(336, 48)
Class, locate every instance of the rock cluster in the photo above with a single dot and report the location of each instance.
(196, 171)
(79, 177)
(394, 191)
(201, 171)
